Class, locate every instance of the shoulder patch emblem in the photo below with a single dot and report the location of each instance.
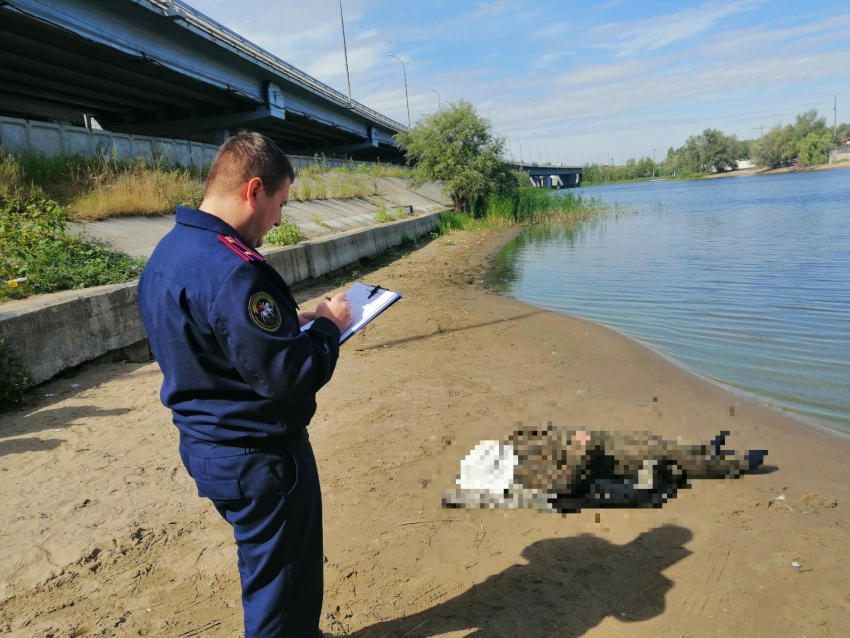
(241, 249)
(264, 311)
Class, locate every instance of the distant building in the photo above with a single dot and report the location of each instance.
(744, 164)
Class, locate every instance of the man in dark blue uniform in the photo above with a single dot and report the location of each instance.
(241, 380)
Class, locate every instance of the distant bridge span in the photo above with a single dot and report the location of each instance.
(551, 175)
(159, 67)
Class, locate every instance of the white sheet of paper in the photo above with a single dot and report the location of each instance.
(363, 307)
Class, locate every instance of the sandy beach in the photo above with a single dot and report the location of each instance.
(777, 171)
(102, 533)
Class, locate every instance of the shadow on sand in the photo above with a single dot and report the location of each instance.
(569, 586)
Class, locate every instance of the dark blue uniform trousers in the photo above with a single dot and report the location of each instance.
(273, 501)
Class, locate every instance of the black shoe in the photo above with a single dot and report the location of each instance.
(755, 458)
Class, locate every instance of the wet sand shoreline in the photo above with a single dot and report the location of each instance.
(102, 524)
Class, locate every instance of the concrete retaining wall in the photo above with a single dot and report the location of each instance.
(18, 136)
(51, 333)
(840, 154)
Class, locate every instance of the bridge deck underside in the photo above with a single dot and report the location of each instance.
(49, 72)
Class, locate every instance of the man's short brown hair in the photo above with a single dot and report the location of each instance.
(244, 156)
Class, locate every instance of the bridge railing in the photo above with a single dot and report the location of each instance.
(21, 137)
(194, 18)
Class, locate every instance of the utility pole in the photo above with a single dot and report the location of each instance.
(834, 117)
(404, 68)
(345, 50)
(653, 162)
(760, 129)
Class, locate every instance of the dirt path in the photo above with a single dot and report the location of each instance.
(102, 533)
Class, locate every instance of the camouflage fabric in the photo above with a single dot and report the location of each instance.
(560, 469)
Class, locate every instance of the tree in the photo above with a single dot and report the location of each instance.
(815, 147)
(776, 147)
(744, 149)
(717, 152)
(456, 146)
(806, 123)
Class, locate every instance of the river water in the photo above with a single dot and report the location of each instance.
(744, 280)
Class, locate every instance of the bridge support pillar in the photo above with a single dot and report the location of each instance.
(220, 136)
(547, 181)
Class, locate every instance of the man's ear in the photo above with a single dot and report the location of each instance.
(252, 189)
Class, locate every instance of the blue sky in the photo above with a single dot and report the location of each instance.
(615, 78)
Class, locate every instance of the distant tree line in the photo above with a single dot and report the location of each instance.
(807, 141)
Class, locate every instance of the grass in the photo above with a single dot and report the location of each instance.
(527, 206)
(320, 220)
(286, 234)
(320, 166)
(141, 192)
(99, 187)
(383, 215)
(334, 186)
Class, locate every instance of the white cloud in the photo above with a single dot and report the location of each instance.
(656, 32)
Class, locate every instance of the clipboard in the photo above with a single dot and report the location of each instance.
(367, 302)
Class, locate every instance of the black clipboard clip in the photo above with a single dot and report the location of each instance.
(374, 291)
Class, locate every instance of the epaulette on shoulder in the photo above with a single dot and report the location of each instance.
(241, 249)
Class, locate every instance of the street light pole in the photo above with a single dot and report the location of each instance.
(539, 161)
(548, 157)
(439, 103)
(345, 50)
(404, 69)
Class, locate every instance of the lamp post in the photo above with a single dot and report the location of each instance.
(548, 158)
(539, 161)
(439, 103)
(404, 69)
(345, 50)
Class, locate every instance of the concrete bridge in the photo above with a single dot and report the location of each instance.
(550, 175)
(161, 68)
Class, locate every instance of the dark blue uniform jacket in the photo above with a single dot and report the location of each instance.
(224, 328)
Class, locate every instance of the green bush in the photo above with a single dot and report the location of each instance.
(286, 234)
(451, 220)
(383, 215)
(34, 244)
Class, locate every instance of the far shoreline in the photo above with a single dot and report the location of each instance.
(748, 172)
